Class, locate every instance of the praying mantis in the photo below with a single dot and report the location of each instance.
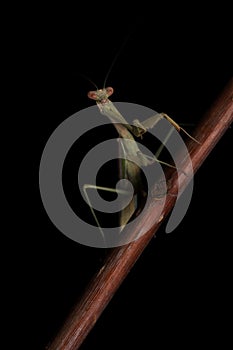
(128, 168)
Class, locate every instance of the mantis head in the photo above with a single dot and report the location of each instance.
(101, 95)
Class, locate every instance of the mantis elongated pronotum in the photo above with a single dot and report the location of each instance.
(129, 169)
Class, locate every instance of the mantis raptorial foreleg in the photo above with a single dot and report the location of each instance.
(152, 121)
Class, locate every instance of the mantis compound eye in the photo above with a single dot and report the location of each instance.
(109, 91)
(92, 95)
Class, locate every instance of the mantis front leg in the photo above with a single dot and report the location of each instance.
(139, 128)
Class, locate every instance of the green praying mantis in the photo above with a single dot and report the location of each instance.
(128, 168)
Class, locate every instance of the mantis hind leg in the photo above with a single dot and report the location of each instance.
(87, 187)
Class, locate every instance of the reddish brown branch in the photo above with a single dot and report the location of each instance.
(119, 262)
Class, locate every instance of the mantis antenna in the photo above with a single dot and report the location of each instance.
(115, 59)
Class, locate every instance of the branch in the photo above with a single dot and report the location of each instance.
(120, 260)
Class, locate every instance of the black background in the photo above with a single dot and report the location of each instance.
(175, 60)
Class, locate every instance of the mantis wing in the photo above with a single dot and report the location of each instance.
(131, 171)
